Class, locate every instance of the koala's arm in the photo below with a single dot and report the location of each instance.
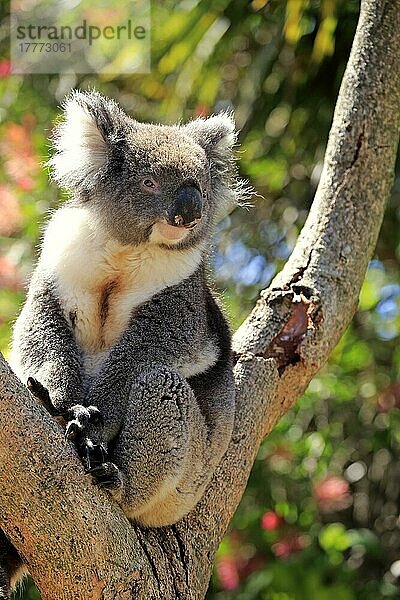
(44, 345)
(169, 329)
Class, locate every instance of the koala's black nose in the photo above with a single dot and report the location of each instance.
(186, 210)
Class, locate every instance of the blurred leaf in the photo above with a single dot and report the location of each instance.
(334, 537)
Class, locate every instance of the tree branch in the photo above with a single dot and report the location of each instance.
(76, 543)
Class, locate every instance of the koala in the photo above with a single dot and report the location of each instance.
(121, 333)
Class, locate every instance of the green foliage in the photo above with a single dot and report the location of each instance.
(319, 520)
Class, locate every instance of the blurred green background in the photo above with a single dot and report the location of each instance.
(320, 518)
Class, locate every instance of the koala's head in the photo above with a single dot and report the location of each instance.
(165, 184)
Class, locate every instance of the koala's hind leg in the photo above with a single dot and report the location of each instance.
(162, 450)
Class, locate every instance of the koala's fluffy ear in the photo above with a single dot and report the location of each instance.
(218, 136)
(84, 139)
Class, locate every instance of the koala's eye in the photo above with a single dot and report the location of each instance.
(149, 184)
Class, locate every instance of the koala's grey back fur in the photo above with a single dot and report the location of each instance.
(119, 314)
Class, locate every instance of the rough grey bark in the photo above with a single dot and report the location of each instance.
(77, 544)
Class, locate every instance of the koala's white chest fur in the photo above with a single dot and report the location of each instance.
(100, 281)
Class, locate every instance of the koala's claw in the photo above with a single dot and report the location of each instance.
(72, 429)
(106, 475)
(92, 455)
(42, 394)
(78, 418)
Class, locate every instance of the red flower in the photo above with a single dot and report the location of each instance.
(271, 521)
(332, 493)
(9, 277)
(5, 68)
(10, 212)
(16, 147)
(252, 565)
(290, 544)
(389, 398)
(25, 184)
(227, 572)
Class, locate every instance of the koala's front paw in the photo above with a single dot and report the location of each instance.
(103, 471)
(78, 418)
(92, 455)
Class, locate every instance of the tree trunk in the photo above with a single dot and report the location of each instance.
(74, 539)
